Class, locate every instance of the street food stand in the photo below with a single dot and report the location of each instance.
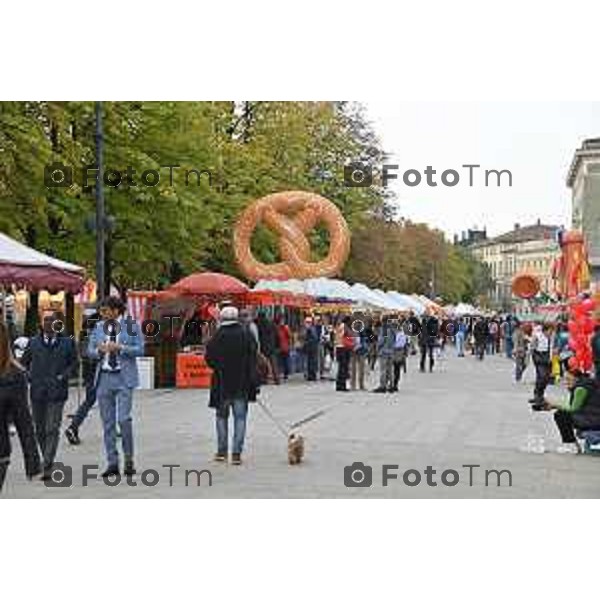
(23, 268)
(187, 313)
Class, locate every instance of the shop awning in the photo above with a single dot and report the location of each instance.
(27, 268)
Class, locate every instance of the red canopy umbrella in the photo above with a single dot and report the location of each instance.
(209, 284)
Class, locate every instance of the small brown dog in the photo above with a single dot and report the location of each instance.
(295, 448)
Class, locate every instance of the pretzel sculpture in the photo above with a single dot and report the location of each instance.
(292, 215)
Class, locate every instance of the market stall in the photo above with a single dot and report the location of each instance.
(23, 268)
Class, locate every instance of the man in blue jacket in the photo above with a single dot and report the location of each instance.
(116, 343)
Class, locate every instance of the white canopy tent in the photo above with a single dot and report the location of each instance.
(359, 294)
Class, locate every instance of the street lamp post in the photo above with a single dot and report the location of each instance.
(100, 207)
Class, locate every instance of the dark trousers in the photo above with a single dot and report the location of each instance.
(424, 351)
(520, 365)
(16, 410)
(273, 370)
(399, 365)
(566, 427)
(284, 364)
(47, 417)
(542, 376)
(343, 372)
(480, 349)
(312, 361)
(85, 407)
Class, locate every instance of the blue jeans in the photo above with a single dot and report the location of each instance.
(115, 401)
(240, 413)
(460, 343)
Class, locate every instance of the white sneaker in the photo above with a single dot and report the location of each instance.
(567, 449)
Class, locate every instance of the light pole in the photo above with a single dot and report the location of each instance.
(100, 207)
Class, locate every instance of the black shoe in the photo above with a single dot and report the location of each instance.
(236, 458)
(72, 435)
(112, 470)
(46, 475)
(393, 389)
(379, 390)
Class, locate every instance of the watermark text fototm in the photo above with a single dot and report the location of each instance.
(360, 475)
(362, 175)
(62, 477)
(60, 175)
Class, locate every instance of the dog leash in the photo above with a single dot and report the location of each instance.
(308, 419)
(272, 417)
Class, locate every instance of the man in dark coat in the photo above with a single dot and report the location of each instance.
(480, 334)
(430, 330)
(232, 354)
(50, 360)
(269, 344)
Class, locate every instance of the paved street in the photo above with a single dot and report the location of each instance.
(466, 412)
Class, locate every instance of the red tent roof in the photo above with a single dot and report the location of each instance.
(209, 284)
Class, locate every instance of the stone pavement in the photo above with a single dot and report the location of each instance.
(466, 412)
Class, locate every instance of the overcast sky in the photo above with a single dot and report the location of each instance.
(535, 141)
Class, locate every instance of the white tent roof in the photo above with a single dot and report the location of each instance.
(15, 253)
(406, 302)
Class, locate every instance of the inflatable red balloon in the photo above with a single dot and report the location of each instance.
(573, 364)
(587, 305)
(573, 327)
(587, 325)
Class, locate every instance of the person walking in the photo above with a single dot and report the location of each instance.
(427, 340)
(50, 360)
(480, 335)
(15, 409)
(344, 344)
(269, 344)
(311, 349)
(358, 361)
(508, 329)
(540, 354)
(400, 356)
(285, 337)
(520, 350)
(385, 350)
(89, 366)
(461, 332)
(116, 343)
(232, 355)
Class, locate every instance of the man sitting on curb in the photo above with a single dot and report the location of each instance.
(581, 412)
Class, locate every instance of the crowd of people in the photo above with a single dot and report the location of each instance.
(249, 350)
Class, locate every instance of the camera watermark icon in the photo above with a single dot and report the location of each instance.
(58, 175)
(61, 476)
(358, 475)
(358, 174)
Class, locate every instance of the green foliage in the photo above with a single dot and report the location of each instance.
(184, 224)
(411, 257)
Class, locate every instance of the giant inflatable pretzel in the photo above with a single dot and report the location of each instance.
(291, 215)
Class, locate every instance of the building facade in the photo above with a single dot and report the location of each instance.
(531, 249)
(584, 181)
